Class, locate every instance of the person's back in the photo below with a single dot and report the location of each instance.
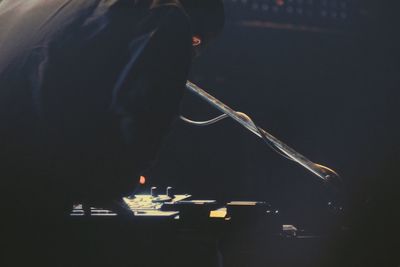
(82, 84)
(88, 90)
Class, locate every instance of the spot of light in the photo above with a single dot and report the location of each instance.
(280, 2)
(142, 180)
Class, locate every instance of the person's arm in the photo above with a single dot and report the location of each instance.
(148, 99)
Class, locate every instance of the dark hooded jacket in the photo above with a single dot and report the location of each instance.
(88, 90)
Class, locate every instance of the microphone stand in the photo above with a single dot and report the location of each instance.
(326, 175)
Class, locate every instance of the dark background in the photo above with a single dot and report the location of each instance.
(329, 89)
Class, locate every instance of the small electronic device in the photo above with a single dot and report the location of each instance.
(143, 205)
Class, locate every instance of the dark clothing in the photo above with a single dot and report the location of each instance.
(88, 89)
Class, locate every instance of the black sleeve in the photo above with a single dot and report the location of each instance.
(147, 100)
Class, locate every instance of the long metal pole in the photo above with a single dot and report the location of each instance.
(326, 174)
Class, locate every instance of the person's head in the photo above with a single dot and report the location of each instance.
(207, 19)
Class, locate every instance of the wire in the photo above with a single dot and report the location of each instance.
(204, 123)
(263, 136)
(272, 146)
(223, 116)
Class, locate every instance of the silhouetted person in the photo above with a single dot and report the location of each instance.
(88, 90)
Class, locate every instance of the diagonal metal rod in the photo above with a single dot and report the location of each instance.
(326, 174)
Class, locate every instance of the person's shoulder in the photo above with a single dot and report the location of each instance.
(171, 8)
